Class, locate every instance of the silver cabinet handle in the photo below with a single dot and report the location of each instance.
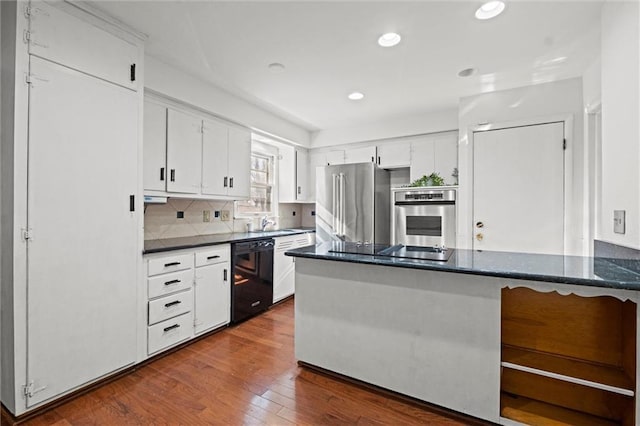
(231, 183)
(334, 208)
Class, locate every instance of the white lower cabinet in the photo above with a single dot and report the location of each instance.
(284, 266)
(212, 291)
(188, 293)
(170, 332)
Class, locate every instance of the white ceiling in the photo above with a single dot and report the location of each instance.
(330, 49)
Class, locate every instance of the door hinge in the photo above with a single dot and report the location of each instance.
(26, 36)
(31, 11)
(27, 234)
(564, 144)
(30, 389)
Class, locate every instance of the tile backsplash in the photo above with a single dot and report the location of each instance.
(161, 220)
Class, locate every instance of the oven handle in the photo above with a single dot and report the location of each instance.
(425, 203)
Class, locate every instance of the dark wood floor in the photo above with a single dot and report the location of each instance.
(246, 374)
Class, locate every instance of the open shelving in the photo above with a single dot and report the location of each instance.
(567, 359)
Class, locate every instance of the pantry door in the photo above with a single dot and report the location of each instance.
(82, 248)
(518, 189)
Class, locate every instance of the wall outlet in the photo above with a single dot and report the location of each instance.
(224, 215)
(206, 215)
(180, 215)
(294, 212)
(313, 212)
(216, 215)
(619, 221)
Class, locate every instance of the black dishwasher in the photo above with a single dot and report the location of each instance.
(252, 278)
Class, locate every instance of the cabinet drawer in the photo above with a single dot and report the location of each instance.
(170, 306)
(171, 263)
(170, 332)
(162, 285)
(213, 255)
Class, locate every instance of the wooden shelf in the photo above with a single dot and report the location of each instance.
(584, 373)
(531, 412)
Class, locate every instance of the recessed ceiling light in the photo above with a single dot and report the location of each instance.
(355, 96)
(467, 72)
(389, 39)
(490, 10)
(276, 68)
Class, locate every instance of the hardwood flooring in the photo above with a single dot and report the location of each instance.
(246, 374)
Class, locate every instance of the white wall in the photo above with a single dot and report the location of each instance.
(621, 120)
(174, 83)
(591, 84)
(561, 98)
(416, 124)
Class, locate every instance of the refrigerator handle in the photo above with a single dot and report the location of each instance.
(334, 205)
(343, 227)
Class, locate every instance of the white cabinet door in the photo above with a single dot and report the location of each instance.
(212, 297)
(394, 155)
(445, 153)
(215, 179)
(422, 159)
(360, 155)
(65, 39)
(239, 163)
(155, 147)
(83, 145)
(518, 189)
(334, 157)
(287, 174)
(316, 160)
(283, 268)
(184, 152)
(302, 171)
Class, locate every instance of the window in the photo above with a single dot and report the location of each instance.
(260, 201)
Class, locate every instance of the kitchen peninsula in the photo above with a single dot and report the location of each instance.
(501, 336)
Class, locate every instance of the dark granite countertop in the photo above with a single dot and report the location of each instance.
(169, 244)
(588, 271)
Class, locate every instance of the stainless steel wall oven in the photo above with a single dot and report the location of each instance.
(423, 217)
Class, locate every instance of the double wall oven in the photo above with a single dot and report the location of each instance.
(424, 217)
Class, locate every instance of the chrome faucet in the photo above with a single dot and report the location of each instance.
(265, 221)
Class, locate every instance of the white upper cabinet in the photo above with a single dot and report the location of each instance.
(215, 179)
(293, 174)
(445, 153)
(437, 154)
(65, 39)
(239, 148)
(394, 155)
(365, 154)
(205, 158)
(184, 152)
(302, 173)
(334, 157)
(155, 147)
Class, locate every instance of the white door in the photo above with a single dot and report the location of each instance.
(215, 179)
(212, 297)
(283, 269)
(184, 152)
(422, 159)
(445, 153)
(518, 189)
(55, 36)
(302, 170)
(394, 155)
(82, 307)
(360, 155)
(155, 147)
(239, 163)
(286, 174)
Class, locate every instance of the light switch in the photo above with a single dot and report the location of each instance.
(224, 215)
(618, 221)
(206, 215)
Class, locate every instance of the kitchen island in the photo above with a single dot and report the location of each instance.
(500, 336)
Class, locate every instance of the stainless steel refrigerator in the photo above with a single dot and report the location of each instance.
(352, 203)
